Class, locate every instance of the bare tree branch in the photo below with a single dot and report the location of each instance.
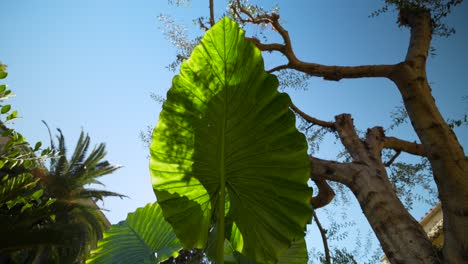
(278, 68)
(201, 24)
(350, 139)
(336, 73)
(333, 73)
(374, 141)
(212, 16)
(406, 146)
(311, 119)
(323, 234)
(419, 20)
(269, 47)
(333, 171)
(390, 162)
(324, 196)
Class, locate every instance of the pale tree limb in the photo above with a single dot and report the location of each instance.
(323, 234)
(419, 21)
(403, 145)
(350, 139)
(333, 73)
(374, 141)
(333, 171)
(324, 196)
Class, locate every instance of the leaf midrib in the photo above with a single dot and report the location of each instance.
(151, 251)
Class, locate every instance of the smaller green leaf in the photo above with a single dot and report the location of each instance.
(13, 154)
(12, 116)
(26, 206)
(5, 109)
(37, 194)
(2, 163)
(2, 88)
(12, 165)
(7, 132)
(37, 146)
(10, 204)
(50, 201)
(3, 71)
(27, 164)
(45, 152)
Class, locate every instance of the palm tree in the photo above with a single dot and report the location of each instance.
(70, 181)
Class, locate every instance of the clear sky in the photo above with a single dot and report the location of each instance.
(92, 65)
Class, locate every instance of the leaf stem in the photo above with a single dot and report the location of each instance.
(220, 240)
(222, 195)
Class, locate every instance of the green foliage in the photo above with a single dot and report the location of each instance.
(144, 237)
(68, 179)
(225, 153)
(47, 215)
(25, 210)
(3, 71)
(439, 9)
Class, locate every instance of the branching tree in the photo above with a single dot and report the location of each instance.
(401, 237)
(367, 171)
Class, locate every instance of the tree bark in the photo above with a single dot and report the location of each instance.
(447, 158)
(401, 236)
(440, 145)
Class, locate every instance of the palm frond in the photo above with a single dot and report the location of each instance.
(99, 194)
(67, 181)
(80, 150)
(62, 165)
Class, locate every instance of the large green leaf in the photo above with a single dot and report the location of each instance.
(226, 151)
(144, 237)
(295, 254)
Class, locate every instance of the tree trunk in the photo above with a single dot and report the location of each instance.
(401, 236)
(447, 158)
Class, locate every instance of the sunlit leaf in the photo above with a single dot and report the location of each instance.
(5, 109)
(144, 237)
(226, 141)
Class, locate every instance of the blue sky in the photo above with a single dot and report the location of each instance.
(92, 65)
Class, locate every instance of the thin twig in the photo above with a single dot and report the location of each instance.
(311, 119)
(388, 163)
(212, 17)
(278, 68)
(323, 233)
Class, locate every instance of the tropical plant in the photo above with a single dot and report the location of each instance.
(70, 180)
(25, 212)
(371, 167)
(48, 216)
(144, 237)
(215, 163)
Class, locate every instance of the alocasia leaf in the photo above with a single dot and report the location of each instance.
(226, 152)
(144, 237)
